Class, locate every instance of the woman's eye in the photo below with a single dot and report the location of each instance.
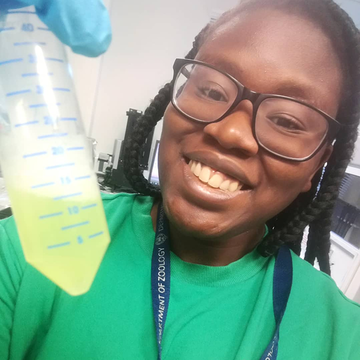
(212, 94)
(286, 123)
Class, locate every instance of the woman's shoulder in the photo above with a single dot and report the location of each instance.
(122, 207)
(10, 247)
(320, 321)
(319, 289)
(123, 198)
(123, 202)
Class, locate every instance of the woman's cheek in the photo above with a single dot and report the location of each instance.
(289, 179)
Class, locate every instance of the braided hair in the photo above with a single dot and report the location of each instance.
(314, 208)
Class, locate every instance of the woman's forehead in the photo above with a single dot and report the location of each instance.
(270, 51)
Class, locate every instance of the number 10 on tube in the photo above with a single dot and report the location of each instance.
(45, 157)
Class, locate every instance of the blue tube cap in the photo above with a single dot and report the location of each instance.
(84, 25)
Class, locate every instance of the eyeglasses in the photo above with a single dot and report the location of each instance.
(286, 127)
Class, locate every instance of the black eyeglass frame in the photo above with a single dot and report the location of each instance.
(256, 99)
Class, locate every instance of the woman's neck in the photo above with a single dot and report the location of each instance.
(219, 252)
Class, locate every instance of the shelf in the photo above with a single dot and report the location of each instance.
(353, 170)
(344, 244)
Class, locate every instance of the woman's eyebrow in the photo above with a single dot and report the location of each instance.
(223, 65)
(295, 88)
(292, 89)
(299, 90)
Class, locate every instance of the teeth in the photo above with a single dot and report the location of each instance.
(205, 174)
(216, 181)
(225, 185)
(234, 186)
(193, 165)
(197, 169)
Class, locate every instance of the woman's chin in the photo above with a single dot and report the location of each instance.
(193, 221)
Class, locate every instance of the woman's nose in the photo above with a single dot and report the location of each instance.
(235, 131)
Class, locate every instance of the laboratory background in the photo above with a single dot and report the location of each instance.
(113, 89)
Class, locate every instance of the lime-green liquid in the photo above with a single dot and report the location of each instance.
(65, 239)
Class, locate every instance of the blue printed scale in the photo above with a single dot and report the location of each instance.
(46, 158)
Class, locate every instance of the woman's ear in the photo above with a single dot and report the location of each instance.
(323, 159)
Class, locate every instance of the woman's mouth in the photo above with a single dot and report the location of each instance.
(215, 178)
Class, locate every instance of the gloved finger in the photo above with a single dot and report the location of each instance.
(84, 25)
(10, 4)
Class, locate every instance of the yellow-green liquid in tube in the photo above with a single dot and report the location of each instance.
(65, 239)
(46, 159)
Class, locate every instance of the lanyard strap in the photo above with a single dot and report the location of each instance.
(160, 284)
(282, 281)
(160, 275)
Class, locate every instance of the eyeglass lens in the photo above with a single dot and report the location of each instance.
(283, 126)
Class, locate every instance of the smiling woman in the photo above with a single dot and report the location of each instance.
(267, 96)
(260, 121)
(236, 134)
(308, 52)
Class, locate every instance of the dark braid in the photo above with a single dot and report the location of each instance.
(319, 234)
(315, 207)
(143, 127)
(145, 124)
(318, 212)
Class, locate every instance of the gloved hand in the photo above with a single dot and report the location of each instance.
(84, 25)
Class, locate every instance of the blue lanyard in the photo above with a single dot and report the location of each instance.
(160, 284)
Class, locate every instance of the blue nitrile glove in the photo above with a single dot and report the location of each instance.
(84, 25)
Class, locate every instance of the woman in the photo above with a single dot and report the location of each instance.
(240, 179)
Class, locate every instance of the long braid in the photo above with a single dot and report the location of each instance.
(318, 212)
(153, 113)
(142, 129)
(319, 234)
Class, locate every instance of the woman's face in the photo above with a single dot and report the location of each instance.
(269, 52)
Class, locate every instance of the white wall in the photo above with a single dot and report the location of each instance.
(147, 37)
(353, 9)
(86, 72)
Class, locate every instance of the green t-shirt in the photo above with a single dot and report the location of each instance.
(220, 313)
